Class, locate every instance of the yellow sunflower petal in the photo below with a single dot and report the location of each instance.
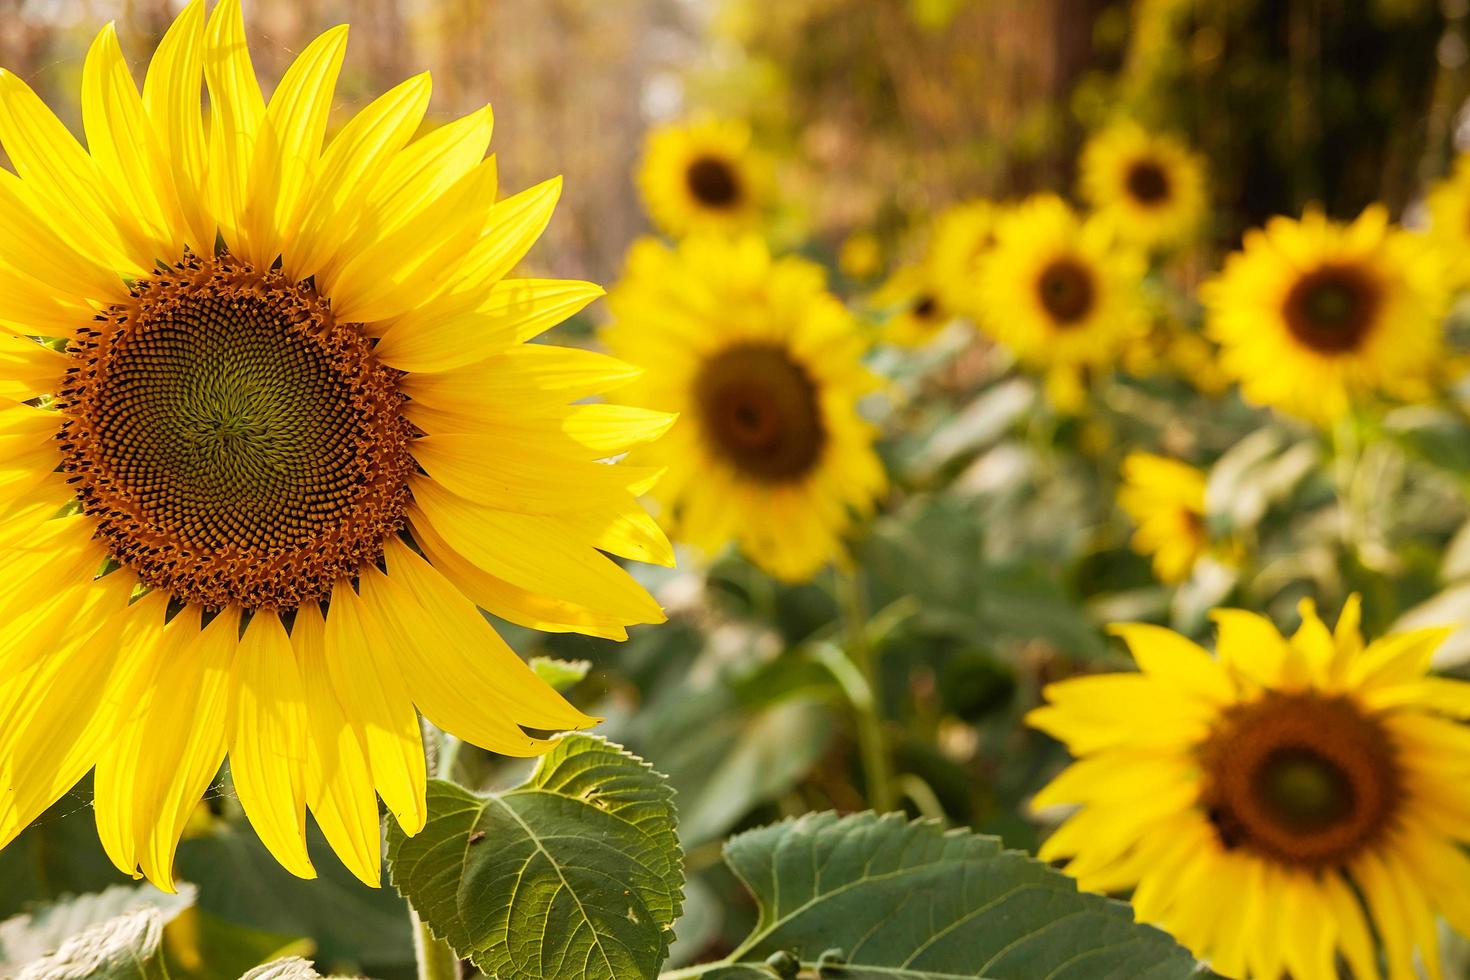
(373, 692)
(339, 781)
(237, 111)
(290, 141)
(267, 740)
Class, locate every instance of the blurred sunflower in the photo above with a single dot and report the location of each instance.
(1312, 314)
(1060, 292)
(860, 256)
(963, 235)
(764, 367)
(1278, 804)
(1449, 221)
(703, 177)
(1148, 186)
(279, 360)
(913, 306)
(1166, 499)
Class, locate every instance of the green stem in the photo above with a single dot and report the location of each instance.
(867, 717)
(1346, 455)
(436, 960)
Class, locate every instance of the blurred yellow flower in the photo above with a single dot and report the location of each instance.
(1166, 500)
(1449, 221)
(704, 176)
(963, 234)
(291, 437)
(764, 367)
(1267, 803)
(861, 256)
(1060, 291)
(1149, 187)
(912, 304)
(1313, 314)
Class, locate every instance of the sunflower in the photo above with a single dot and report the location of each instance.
(962, 237)
(1060, 291)
(1148, 186)
(912, 305)
(860, 257)
(703, 177)
(764, 367)
(1312, 314)
(282, 438)
(1166, 499)
(1266, 803)
(1449, 221)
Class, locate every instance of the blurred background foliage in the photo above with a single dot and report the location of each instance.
(1000, 553)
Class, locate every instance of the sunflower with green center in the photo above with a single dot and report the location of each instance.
(1061, 292)
(1166, 500)
(282, 438)
(763, 366)
(1449, 221)
(1148, 186)
(704, 176)
(1277, 805)
(1314, 315)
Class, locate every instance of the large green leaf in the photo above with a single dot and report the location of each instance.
(28, 937)
(122, 948)
(576, 874)
(883, 898)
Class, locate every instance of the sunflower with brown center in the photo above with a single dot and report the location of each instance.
(273, 434)
(1148, 186)
(704, 176)
(1165, 498)
(763, 366)
(1061, 292)
(1275, 806)
(1313, 316)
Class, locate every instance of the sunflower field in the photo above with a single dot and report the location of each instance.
(833, 490)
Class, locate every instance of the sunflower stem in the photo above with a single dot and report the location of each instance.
(867, 710)
(435, 959)
(1346, 456)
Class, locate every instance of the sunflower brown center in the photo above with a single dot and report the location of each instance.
(713, 182)
(1066, 290)
(1147, 182)
(1302, 779)
(1332, 309)
(235, 443)
(925, 307)
(760, 412)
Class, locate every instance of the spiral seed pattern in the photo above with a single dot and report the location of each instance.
(236, 444)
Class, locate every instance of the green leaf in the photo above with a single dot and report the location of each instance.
(28, 937)
(738, 741)
(122, 948)
(286, 968)
(560, 674)
(576, 874)
(882, 898)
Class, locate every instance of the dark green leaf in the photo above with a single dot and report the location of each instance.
(884, 898)
(576, 874)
